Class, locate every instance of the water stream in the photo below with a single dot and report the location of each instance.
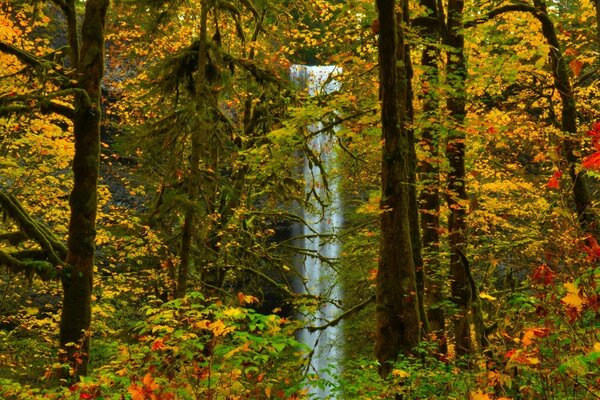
(322, 223)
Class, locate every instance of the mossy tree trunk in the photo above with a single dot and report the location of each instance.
(398, 323)
(455, 153)
(188, 233)
(429, 198)
(405, 100)
(78, 275)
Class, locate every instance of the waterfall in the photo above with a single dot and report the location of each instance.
(322, 223)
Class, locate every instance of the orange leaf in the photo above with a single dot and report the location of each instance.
(158, 344)
(576, 66)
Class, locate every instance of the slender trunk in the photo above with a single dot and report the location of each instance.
(455, 152)
(398, 325)
(405, 92)
(581, 191)
(78, 274)
(187, 236)
(429, 199)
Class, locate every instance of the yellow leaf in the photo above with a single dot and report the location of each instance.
(32, 310)
(218, 328)
(572, 299)
(484, 295)
(400, 373)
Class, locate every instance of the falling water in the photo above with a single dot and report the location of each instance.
(317, 235)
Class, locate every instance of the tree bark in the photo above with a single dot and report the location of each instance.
(398, 324)
(78, 274)
(429, 171)
(188, 236)
(405, 92)
(455, 153)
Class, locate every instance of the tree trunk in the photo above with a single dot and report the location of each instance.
(398, 325)
(188, 236)
(429, 199)
(78, 274)
(405, 93)
(455, 152)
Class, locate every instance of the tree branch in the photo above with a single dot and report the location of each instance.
(34, 230)
(36, 62)
(540, 16)
(45, 270)
(342, 316)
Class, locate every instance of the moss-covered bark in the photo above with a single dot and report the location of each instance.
(78, 276)
(405, 100)
(428, 168)
(188, 235)
(455, 153)
(398, 324)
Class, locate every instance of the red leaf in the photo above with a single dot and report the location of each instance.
(593, 161)
(592, 249)
(543, 275)
(553, 183)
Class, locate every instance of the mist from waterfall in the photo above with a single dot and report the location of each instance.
(318, 236)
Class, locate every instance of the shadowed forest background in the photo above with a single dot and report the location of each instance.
(196, 194)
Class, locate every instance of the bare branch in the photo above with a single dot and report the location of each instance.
(342, 316)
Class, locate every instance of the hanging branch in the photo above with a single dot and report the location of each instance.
(50, 68)
(44, 269)
(55, 250)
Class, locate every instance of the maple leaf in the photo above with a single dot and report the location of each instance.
(592, 249)
(158, 344)
(593, 161)
(530, 334)
(543, 275)
(553, 183)
(246, 299)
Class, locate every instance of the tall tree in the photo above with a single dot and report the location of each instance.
(82, 82)
(398, 323)
(77, 281)
(187, 235)
(457, 194)
(428, 168)
(405, 91)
